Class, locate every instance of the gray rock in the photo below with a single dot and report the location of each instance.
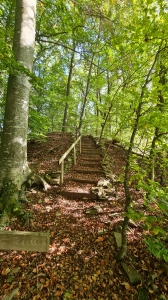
(117, 239)
(115, 214)
(102, 231)
(143, 294)
(133, 276)
(55, 181)
(55, 174)
(94, 210)
(99, 209)
(107, 222)
(105, 183)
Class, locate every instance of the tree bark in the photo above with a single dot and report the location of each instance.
(86, 95)
(13, 155)
(157, 134)
(68, 90)
(128, 199)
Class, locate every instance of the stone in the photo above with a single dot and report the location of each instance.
(99, 209)
(143, 294)
(55, 181)
(94, 189)
(91, 211)
(132, 224)
(102, 231)
(55, 174)
(94, 210)
(115, 214)
(104, 183)
(133, 276)
(117, 239)
(107, 222)
(47, 177)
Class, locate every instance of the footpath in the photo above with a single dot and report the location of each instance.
(80, 182)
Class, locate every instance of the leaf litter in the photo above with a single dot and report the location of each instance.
(80, 263)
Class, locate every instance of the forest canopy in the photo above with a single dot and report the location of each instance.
(91, 67)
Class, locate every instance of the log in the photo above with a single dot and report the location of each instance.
(24, 241)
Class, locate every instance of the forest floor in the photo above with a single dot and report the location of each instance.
(80, 263)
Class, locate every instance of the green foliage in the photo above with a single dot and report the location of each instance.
(154, 219)
(157, 247)
(38, 125)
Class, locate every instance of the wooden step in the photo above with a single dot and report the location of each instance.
(98, 165)
(89, 147)
(89, 152)
(85, 145)
(76, 195)
(82, 180)
(85, 171)
(91, 159)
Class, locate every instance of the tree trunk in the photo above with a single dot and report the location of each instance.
(152, 155)
(128, 200)
(157, 134)
(13, 155)
(68, 90)
(86, 95)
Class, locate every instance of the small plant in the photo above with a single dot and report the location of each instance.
(157, 247)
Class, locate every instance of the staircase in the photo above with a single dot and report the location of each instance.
(86, 174)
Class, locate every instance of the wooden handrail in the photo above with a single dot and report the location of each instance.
(61, 160)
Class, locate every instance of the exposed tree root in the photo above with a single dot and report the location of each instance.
(37, 181)
(11, 196)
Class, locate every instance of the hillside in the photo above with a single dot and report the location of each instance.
(80, 263)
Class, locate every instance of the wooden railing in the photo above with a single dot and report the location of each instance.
(61, 160)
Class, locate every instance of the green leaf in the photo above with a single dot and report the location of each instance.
(10, 279)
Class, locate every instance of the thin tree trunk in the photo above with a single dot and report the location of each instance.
(107, 114)
(128, 200)
(152, 156)
(86, 95)
(157, 134)
(65, 119)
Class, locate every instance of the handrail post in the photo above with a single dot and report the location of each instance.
(61, 160)
(74, 155)
(62, 172)
(80, 148)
